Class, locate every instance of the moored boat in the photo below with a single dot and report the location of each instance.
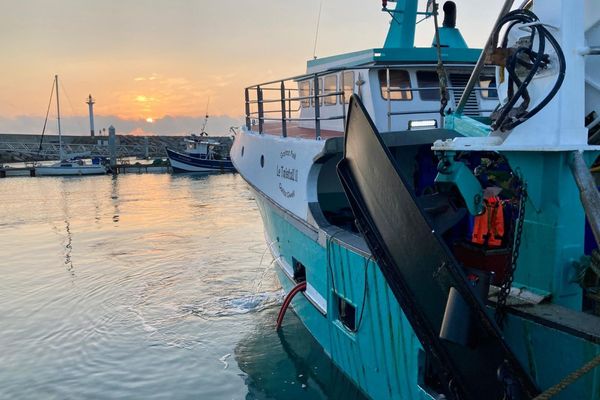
(200, 155)
(440, 254)
(66, 167)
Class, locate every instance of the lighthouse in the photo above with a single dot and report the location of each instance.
(90, 104)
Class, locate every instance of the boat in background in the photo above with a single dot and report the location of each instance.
(380, 174)
(66, 167)
(200, 155)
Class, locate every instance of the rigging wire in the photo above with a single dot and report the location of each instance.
(71, 105)
(317, 30)
(46, 119)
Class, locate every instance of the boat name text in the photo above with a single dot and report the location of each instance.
(290, 174)
(286, 193)
(288, 153)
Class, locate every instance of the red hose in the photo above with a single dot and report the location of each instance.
(301, 287)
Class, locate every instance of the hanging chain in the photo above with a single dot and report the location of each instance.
(441, 70)
(512, 263)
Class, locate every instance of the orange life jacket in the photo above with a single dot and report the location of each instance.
(489, 225)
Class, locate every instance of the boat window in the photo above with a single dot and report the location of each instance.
(488, 82)
(399, 85)
(330, 86)
(304, 91)
(428, 79)
(348, 85)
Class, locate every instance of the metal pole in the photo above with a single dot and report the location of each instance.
(247, 96)
(590, 197)
(289, 104)
(389, 100)
(112, 146)
(343, 85)
(259, 98)
(317, 109)
(481, 61)
(283, 117)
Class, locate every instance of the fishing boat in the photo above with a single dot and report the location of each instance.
(200, 155)
(426, 207)
(66, 166)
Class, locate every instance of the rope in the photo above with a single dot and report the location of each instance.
(569, 379)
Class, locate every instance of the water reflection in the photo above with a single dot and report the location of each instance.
(289, 364)
(68, 239)
(114, 195)
(69, 248)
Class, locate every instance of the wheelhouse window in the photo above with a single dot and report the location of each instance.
(427, 80)
(348, 86)
(399, 85)
(488, 87)
(329, 87)
(304, 91)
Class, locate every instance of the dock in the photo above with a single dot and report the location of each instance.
(125, 168)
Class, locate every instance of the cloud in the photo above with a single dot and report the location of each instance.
(79, 125)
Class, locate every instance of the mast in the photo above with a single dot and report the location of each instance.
(60, 149)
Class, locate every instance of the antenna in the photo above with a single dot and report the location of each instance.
(203, 132)
(317, 31)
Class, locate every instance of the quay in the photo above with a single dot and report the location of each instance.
(123, 168)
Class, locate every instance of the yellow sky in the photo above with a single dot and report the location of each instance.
(143, 59)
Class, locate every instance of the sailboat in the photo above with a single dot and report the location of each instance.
(65, 166)
(433, 248)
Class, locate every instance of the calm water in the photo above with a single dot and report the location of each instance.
(146, 286)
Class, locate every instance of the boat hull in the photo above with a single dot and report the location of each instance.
(181, 162)
(383, 356)
(70, 171)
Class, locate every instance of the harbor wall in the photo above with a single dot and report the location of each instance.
(22, 147)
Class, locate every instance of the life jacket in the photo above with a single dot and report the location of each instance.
(489, 227)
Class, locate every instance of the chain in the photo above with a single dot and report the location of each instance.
(512, 264)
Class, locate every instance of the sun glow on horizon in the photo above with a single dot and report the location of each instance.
(150, 120)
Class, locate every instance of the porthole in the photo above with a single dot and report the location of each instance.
(262, 161)
(242, 151)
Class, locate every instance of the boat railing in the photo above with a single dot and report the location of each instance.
(282, 100)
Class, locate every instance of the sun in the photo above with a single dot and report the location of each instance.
(149, 120)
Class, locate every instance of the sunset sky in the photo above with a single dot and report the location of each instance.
(161, 61)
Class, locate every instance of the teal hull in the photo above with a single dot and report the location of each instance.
(383, 357)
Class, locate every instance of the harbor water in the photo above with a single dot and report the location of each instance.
(146, 286)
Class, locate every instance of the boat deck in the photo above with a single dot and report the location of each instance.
(296, 131)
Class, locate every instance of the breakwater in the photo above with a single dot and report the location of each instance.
(25, 147)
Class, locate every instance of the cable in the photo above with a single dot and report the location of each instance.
(507, 117)
(46, 119)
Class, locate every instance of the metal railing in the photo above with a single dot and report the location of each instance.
(287, 102)
(278, 97)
